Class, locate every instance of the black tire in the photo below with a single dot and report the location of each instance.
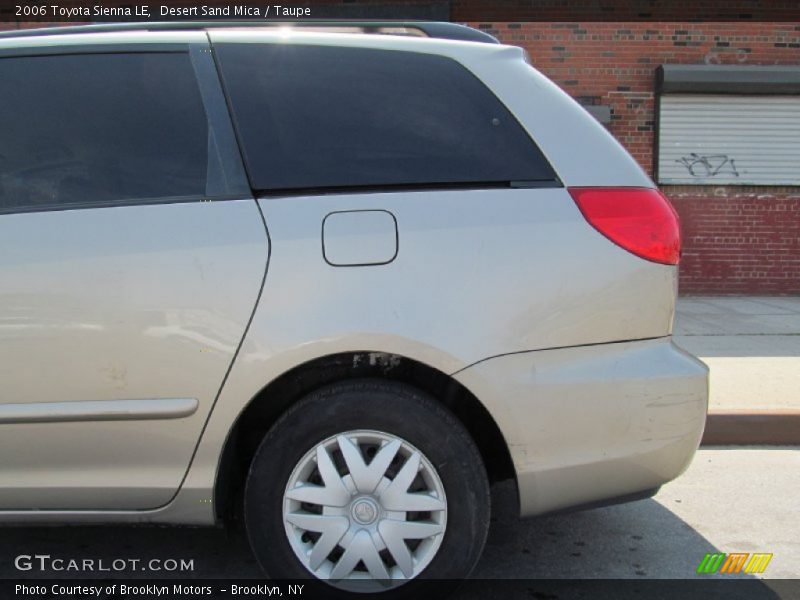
(386, 406)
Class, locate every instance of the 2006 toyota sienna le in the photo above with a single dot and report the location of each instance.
(340, 280)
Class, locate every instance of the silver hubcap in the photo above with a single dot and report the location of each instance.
(365, 505)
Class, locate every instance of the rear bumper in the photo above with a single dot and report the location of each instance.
(592, 423)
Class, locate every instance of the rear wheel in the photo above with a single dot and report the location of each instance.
(367, 485)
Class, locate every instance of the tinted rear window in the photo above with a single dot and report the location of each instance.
(100, 128)
(322, 117)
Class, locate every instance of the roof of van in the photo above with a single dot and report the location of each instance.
(427, 29)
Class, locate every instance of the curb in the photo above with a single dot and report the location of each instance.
(775, 427)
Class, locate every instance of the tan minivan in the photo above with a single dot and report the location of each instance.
(339, 280)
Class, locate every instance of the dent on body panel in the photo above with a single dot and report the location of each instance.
(117, 304)
(640, 410)
(86, 257)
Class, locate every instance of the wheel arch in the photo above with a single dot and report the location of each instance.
(264, 409)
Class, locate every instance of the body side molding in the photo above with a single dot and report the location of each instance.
(98, 410)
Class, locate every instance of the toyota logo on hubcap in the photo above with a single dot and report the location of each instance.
(364, 511)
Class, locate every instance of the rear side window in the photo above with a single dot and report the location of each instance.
(328, 117)
(101, 128)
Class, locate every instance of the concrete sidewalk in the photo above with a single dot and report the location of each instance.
(752, 346)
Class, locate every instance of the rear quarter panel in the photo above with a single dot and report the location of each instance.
(478, 273)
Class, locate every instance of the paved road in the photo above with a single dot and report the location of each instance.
(730, 500)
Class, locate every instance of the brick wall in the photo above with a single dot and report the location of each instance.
(736, 240)
(739, 240)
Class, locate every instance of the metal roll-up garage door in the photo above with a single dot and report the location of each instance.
(711, 139)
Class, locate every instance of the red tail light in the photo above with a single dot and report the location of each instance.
(640, 220)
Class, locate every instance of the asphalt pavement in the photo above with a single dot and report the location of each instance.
(729, 500)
